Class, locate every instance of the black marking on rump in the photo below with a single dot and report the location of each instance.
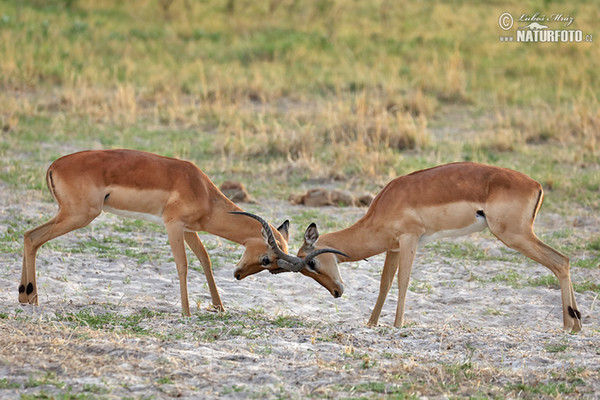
(51, 185)
(51, 181)
(29, 288)
(21, 288)
(480, 213)
(537, 204)
(574, 313)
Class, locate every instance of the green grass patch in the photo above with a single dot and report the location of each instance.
(7, 384)
(111, 247)
(586, 285)
(233, 389)
(213, 317)
(593, 245)
(549, 281)
(552, 282)
(593, 262)
(420, 286)
(375, 388)
(48, 378)
(556, 347)
(214, 334)
(110, 321)
(285, 321)
(510, 277)
(466, 250)
(546, 388)
(164, 381)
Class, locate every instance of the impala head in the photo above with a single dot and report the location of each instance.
(322, 263)
(260, 253)
(257, 257)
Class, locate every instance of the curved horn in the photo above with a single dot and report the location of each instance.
(315, 253)
(286, 261)
(303, 262)
(290, 261)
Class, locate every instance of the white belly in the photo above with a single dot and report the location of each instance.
(479, 225)
(157, 219)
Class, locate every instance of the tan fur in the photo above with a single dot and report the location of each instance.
(447, 200)
(139, 184)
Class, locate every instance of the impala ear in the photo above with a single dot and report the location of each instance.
(265, 235)
(284, 229)
(311, 235)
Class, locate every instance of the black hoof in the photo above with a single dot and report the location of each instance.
(574, 313)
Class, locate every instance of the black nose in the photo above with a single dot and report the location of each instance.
(336, 294)
(238, 276)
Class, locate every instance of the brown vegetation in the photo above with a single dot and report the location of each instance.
(236, 192)
(321, 197)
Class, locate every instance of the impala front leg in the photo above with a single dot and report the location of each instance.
(175, 233)
(408, 249)
(197, 247)
(387, 277)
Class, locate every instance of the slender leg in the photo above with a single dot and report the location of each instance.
(197, 247)
(175, 233)
(408, 246)
(23, 296)
(526, 242)
(387, 277)
(62, 223)
(559, 265)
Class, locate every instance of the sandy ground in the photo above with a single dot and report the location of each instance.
(468, 333)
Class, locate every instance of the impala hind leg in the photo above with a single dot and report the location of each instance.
(62, 223)
(526, 242)
(387, 277)
(197, 247)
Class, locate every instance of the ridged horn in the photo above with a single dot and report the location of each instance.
(286, 261)
(289, 259)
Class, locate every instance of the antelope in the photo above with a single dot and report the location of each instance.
(448, 200)
(164, 190)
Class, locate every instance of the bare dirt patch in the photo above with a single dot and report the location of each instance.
(109, 325)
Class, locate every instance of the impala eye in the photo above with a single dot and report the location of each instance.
(265, 261)
(312, 264)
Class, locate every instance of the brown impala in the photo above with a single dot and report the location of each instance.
(448, 200)
(173, 192)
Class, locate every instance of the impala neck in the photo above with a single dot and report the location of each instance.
(236, 228)
(358, 241)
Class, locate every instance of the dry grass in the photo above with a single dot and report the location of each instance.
(344, 87)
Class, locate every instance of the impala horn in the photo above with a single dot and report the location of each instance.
(286, 261)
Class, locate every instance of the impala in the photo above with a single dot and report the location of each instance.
(160, 189)
(449, 200)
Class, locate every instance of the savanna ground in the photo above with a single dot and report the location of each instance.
(284, 96)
